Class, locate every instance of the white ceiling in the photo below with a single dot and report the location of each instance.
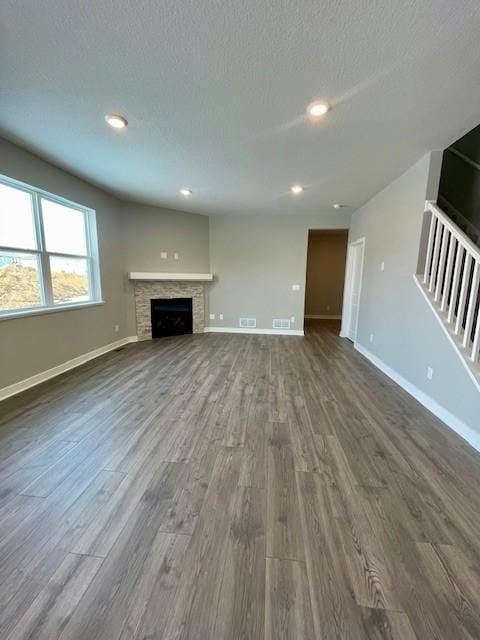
(215, 93)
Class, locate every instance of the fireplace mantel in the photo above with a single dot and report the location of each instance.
(150, 275)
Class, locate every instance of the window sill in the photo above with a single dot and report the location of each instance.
(11, 315)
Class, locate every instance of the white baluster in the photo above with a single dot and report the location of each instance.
(441, 264)
(448, 274)
(471, 304)
(456, 282)
(463, 293)
(436, 254)
(431, 236)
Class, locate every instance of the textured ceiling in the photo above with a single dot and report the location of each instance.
(215, 94)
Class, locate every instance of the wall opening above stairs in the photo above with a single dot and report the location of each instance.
(459, 191)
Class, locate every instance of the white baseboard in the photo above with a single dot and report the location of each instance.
(314, 317)
(463, 430)
(38, 378)
(269, 332)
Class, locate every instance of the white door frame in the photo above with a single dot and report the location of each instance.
(347, 296)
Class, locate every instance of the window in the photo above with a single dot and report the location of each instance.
(48, 251)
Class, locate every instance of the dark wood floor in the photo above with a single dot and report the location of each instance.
(235, 487)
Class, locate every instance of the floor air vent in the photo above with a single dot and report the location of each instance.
(248, 323)
(281, 324)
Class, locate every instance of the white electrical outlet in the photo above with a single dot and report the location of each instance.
(175, 256)
(292, 319)
(429, 373)
(163, 255)
(220, 316)
(371, 337)
(212, 316)
(328, 307)
(117, 328)
(382, 266)
(295, 287)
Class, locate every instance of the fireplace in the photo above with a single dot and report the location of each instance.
(148, 290)
(171, 316)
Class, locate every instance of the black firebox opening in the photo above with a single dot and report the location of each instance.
(171, 317)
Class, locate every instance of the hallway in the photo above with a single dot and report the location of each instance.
(235, 487)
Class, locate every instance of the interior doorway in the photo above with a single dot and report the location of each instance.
(325, 278)
(353, 289)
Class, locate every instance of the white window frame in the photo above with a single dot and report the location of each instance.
(47, 303)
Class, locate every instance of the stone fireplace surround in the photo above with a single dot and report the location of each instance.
(145, 290)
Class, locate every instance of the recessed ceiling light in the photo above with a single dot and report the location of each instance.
(318, 109)
(296, 189)
(116, 121)
(186, 192)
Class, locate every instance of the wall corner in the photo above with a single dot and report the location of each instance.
(434, 170)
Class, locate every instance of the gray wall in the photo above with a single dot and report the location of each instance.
(33, 344)
(256, 259)
(407, 336)
(147, 231)
(326, 258)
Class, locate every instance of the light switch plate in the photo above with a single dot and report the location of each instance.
(163, 255)
(212, 316)
(295, 287)
(175, 256)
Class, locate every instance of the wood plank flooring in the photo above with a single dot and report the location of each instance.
(235, 487)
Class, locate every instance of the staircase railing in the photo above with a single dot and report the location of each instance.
(451, 283)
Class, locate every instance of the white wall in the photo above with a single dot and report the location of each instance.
(407, 336)
(256, 260)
